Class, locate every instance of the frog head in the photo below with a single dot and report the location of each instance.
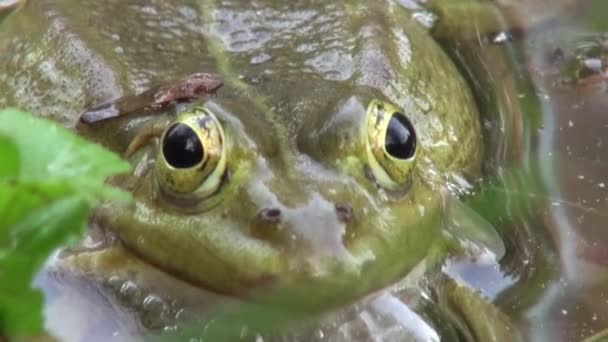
(289, 175)
(232, 200)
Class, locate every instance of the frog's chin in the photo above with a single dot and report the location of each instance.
(151, 299)
(322, 279)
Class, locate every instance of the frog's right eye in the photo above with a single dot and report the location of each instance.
(390, 145)
(192, 158)
(182, 148)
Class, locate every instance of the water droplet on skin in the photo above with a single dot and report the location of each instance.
(261, 58)
(129, 294)
(501, 37)
(153, 303)
(114, 282)
(170, 328)
(320, 334)
(154, 312)
(425, 18)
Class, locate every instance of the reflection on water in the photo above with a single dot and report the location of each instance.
(575, 304)
(559, 294)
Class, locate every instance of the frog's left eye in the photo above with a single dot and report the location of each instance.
(390, 144)
(192, 158)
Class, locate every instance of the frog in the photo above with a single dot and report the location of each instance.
(322, 149)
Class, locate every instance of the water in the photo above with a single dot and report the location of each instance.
(574, 303)
(559, 293)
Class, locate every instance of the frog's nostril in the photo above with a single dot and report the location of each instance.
(270, 215)
(345, 212)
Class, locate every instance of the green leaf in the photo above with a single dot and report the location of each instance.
(43, 231)
(49, 151)
(49, 181)
(10, 158)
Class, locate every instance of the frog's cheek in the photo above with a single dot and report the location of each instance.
(211, 251)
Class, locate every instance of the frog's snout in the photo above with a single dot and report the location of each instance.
(314, 234)
(344, 212)
(270, 215)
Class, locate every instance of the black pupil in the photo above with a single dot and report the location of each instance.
(400, 141)
(181, 147)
